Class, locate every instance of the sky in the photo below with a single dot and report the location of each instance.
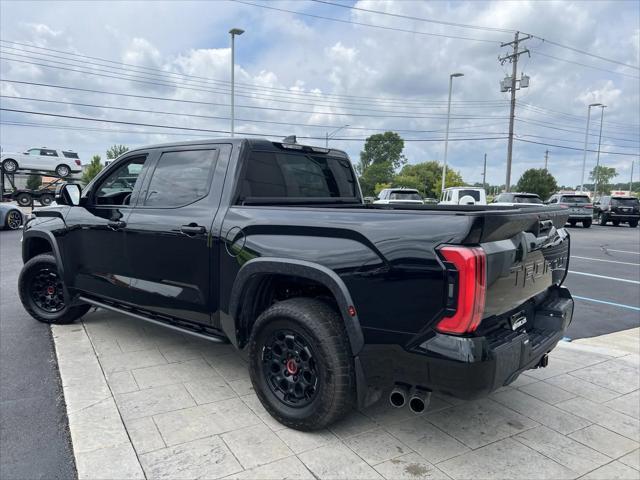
(309, 76)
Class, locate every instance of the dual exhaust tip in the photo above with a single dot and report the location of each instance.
(417, 397)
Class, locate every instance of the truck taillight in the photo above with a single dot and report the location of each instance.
(470, 264)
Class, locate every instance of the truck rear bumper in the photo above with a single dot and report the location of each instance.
(472, 367)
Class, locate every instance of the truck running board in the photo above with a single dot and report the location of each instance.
(164, 323)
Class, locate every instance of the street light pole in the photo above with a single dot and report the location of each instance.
(586, 137)
(446, 135)
(233, 32)
(595, 185)
(328, 135)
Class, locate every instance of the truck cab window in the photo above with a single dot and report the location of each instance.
(181, 178)
(117, 188)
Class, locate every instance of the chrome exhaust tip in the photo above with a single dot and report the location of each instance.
(398, 396)
(419, 400)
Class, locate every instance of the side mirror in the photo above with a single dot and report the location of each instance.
(69, 194)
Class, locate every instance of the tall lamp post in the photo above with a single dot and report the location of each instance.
(233, 32)
(586, 137)
(595, 185)
(446, 135)
(328, 135)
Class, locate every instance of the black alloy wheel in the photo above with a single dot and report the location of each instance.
(46, 290)
(42, 292)
(289, 367)
(14, 220)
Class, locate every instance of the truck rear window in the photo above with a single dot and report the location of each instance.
(526, 199)
(404, 196)
(297, 175)
(624, 202)
(575, 199)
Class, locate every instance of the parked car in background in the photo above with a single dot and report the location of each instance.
(463, 196)
(617, 210)
(11, 218)
(399, 196)
(517, 199)
(579, 205)
(62, 162)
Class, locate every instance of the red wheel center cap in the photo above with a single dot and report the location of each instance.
(51, 290)
(292, 366)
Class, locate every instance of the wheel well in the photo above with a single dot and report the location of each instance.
(264, 290)
(36, 246)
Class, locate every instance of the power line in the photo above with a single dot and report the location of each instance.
(277, 109)
(212, 117)
(583, 52)
(574, 148)
(537, 52)
(248, 87)
(462, 25)
(361, 24)
(409, 17)
(227, 82)
(556, 127)
(224, 92)
(173, 127)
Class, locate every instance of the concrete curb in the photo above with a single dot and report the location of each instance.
(101, 445)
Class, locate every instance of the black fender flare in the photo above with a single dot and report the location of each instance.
(296, 268)
(55, 251)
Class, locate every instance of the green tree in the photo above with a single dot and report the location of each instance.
(375, 174)
(427, 178)
(539, 181)
(115, 151)
(92, 170)
(603, 175)
(383, 148)
(34, 182)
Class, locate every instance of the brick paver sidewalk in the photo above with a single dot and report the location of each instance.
(146, 401)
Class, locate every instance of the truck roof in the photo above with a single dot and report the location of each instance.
(255, 143)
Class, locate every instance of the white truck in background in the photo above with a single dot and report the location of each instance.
(463, 196)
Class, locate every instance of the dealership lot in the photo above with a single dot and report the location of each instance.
(145, 401)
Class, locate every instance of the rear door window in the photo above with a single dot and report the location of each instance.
(475, 194)
(297, 175)
(181, 177)
(70, 155)
(48, 153)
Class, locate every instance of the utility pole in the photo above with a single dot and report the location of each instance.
(586, 138)
(484, 173)
(546, 159)
(595, 185)
(233, 32)
(511, 84)
(631, 178)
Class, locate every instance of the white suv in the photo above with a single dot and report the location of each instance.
(62, 162)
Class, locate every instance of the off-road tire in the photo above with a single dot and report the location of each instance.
(586, 223)
(572, 223)
(616, 223)
(29, 270)
(633, 223)
(322, 327)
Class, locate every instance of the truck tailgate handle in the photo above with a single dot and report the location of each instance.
(116, 224)
(192, 229)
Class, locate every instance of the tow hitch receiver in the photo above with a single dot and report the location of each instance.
(544, 361)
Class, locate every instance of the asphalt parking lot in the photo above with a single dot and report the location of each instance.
(604, 278)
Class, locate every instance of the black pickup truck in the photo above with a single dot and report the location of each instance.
(269, 246)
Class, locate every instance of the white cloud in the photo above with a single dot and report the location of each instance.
(301, 55)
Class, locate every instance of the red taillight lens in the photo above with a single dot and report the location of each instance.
(78, 162)
(588, 206)
(471, 266)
